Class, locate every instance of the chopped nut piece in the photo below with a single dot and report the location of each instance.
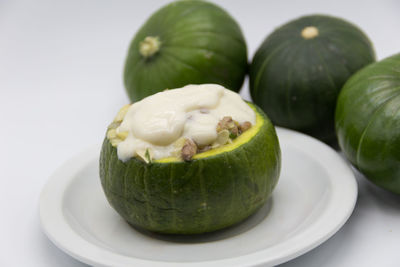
(228, 124)
(115, 142)
(223, 137)
(224, 124)
(148, 156)
(179, 143)
(244, 126)
(122, 135)
(188, 150)
(234, 132)
(121, 113)
(145, 154)
(114, 125)
(112, 134)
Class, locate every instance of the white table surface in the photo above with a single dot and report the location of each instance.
(61, 83)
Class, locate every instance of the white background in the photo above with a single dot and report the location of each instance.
(61, 83)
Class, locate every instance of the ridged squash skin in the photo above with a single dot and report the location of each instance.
(211, 192)
(368, 122)
(199, 43)
(296, 80)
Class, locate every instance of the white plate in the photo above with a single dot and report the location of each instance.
(315, 196)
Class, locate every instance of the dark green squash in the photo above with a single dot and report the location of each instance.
(185, 42)
(218, 188)
(368, 122)
(298, 71)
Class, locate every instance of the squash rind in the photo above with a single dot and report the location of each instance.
(368, 122)
(203, 195)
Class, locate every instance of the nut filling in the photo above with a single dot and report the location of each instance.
(189, 149)
(185, 148)
(227, 130)
(178, 124)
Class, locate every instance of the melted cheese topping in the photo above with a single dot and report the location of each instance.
(157, 121)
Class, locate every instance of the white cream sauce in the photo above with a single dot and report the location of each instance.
(193, 111)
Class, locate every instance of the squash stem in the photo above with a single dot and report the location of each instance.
(309, 32)
(149, 46)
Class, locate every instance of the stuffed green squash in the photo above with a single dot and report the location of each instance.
(189, 160)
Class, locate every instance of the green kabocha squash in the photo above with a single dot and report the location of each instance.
(368, 122)
(298, 71)
(216, 189)
(185, 42)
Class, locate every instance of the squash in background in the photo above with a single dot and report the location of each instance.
(185, 42)
(368, 122)
(298, 71)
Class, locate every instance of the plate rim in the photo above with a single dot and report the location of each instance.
(56, 228)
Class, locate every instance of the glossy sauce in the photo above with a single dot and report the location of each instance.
(193, 111)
